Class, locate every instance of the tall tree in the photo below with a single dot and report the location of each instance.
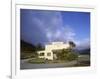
(72, 44)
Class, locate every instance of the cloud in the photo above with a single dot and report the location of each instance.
(45, 26)
(39, 26)
(83, 44)
(52, 24)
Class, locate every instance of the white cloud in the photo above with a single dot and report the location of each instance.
(83, 44)
(51, 23)
(47, 26)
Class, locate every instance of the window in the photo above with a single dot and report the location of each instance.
(48, 54)
(41, 54)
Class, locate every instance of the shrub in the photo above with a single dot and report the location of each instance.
(67, 54)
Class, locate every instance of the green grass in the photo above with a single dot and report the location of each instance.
(83, 60)
(37, 61)
(42, 61)
(27, 55)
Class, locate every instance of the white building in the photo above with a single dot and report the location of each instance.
(48, 54)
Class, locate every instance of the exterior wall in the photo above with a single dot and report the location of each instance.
(46, 54)
(56, 45)
(39, 52)
(53, 46)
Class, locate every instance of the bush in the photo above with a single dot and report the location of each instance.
(67, 54)
(72, 56)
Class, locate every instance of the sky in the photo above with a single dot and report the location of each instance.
(45, 26)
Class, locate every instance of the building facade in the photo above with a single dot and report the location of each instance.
(48, 52)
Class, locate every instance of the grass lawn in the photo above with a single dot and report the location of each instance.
(42, 61)
(83, 60)
(36, 61)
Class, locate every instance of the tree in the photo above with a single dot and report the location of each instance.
(39, 47)
(72, 44)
